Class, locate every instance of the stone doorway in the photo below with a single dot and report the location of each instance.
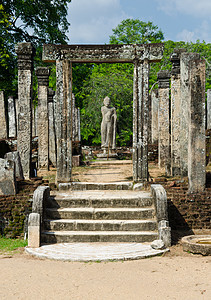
(141, 56)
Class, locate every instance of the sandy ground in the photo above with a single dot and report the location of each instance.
(176, 275)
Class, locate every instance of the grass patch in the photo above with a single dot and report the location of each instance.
(11, 245)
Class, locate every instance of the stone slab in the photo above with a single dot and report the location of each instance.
(94, 251)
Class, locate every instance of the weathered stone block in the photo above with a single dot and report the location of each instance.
(14, 156)
(7, 177)
(34, 230)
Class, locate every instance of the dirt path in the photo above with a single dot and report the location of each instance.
(177, 275)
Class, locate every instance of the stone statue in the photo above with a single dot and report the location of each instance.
(108, 125)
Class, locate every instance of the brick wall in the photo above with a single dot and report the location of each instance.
(188, 211)
(14, 210)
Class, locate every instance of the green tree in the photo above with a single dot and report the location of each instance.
(134, 31)
(38, 21)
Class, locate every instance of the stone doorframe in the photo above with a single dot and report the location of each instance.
(141, 56)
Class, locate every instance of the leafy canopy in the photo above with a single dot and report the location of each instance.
(134, 31)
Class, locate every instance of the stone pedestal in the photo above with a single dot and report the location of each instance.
(196, 128)
(25, 52)
(3, 123)
(12, 117)
(208, 109)
(63, 114)
(163, 121)
(34, 230)
(140, 120)
(42, 124)
(154, 113)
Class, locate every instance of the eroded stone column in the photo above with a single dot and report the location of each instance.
(163, 120)
(64, 116)
(25, 52)
(175, 112)
(12, 117)
(3, 123)
(52, 127)
(185, 59)
(196, 138)
(140, 120)
(208, 109)
(154, 113)
(42, 122)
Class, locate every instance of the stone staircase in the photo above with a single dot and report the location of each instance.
(89, 212)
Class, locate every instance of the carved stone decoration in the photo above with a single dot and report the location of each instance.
(42, 122)
(163, 121)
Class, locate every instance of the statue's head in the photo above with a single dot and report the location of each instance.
(107, 101)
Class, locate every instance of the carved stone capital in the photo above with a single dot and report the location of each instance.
(51, 94)
(25, 52)
(163, 79)
(43, 75)
(175, 59)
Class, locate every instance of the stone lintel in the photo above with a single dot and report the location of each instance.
(43, 75)
(25, 52)
(163, 79)
(103, 53)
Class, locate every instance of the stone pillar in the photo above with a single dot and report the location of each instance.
(196, 127)
(208, 109)
(52, 127)
(154, 113)
(25, 53)
(163, 120)
(3, 123)
(12, 117)
(42, 124)
(34, 120)
(185, 59)
(175, 113)
(140, 120)
(64, 122)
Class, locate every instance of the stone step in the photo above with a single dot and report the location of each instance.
(100, 225)
(83, 186)
(100, 213)
(101, 199)
(98, 236)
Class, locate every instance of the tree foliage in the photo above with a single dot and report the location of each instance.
(37, 21)
(134, 31)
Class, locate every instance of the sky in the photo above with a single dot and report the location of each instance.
(92, 21)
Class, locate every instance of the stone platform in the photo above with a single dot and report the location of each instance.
(94, 251)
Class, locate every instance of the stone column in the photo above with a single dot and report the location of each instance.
(64, 122)
(3, 123)
(196, 127)
(185, 59)
(163, 120)
(25, 52)
(11, 117)
(208, 109)
(175, 113)
(42, 124)
(140, 120)
(52, 127)
(154, 113)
